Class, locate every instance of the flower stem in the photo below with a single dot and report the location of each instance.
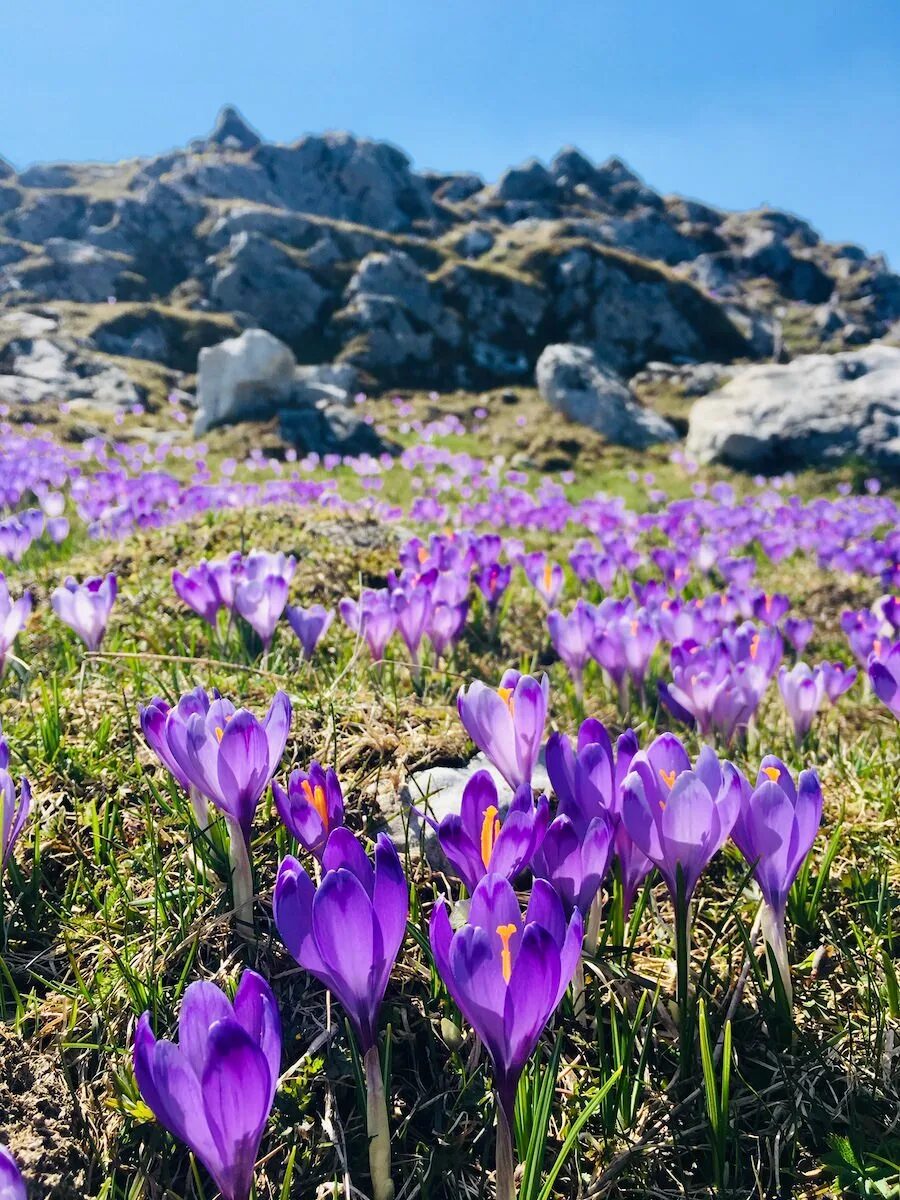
(377, 1126)
(200, 806)
(506, 1170)
(241, 879)
(683, 971)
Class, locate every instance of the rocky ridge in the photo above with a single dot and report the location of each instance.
(338, 247)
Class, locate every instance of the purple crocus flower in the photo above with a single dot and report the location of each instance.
(775, 829)
(230, 756)
(261, 601)
(12, 812)
(371, 617)
(85, 607)
(12, 1185)
(477, 842)
(588, 782)
(707, 689)
(13, 619)
(310, 625)
(170, 746)
(214, 1089)
(412, 611)
(446, 625)
(798, 632)
(507, 975)
(573, 637)
(574, 861)
(197, 588)
(492, 581)
(348, 931)
(884, 675)
(770, 607)
(803, 690)
(507, 724)
(677, 815)
(546, 577)
(312, 806)
(838, 678)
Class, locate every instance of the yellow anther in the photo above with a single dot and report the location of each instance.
(548, 576)
(754, 646)
(773, 773)
(506, 695)
(505, 932)
(423, 554)
(316, 797)
(668, 778)
(220, 733)
(490, 831)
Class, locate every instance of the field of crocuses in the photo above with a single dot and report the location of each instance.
(644, 945)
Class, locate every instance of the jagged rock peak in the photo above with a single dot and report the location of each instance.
(233, 131)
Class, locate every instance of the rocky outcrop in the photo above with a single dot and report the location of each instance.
(816, 411)
(255, 377)
(574, 383)
(337, 246)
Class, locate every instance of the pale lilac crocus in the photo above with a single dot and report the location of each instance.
(775, 829)
(802, 690)
(310, 625)
(573, 638)
(86, 607)
(546, 577)
(14, 616)
(884, 675)
(507, 723)
(798, 631)
(214, 1089)
(838, 679)
(261, 601)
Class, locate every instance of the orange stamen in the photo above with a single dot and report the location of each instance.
(505, 932)
(754, 646)
(316, 797)
(423, 554)
(634, 628)
(668, 778)
(506, 695)
(490, 831)
(220, 733)
(548, 576)
(773, 773)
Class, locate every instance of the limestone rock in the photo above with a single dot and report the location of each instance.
(242, 378)
(816, 411)
(574, 383)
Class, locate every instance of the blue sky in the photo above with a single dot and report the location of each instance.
(795, 102)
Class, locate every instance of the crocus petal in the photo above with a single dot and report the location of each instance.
(237, 1097)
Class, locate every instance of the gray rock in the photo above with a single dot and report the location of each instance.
(531, 181)
(77, 271)
(329, 427)
(574, 383)
(243, 378)
(816, 411)
(232, 131)
(268, 282)
(47, 175)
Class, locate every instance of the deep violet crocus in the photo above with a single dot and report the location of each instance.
(85, 607)
(798, 631)
(214, 1089)
(14, 812)
(229, 757)
(311, 807)
(587, 781)
(507, 976)
(14, 616)
(680, 816)
(802, 690)
(310, 625)
(12, 1185)
(348, 933)
(507, 723)
(477, 841)
(838, 678)
(775, 829)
